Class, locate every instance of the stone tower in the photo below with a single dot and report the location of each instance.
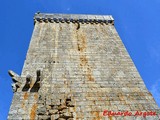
(77, 68)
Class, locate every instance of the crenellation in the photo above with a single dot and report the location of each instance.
(74, 18)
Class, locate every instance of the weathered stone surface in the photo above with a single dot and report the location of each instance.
(53, 111)
(41, 111)
(67, 115)
(62, 107)
(55, 116)
(44, 117)
(78, 67)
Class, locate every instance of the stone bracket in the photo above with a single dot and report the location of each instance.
(74, 18)
(16, 80)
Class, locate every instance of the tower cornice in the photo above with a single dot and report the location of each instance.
(73, 18)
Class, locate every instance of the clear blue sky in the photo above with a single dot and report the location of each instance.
(137, 22)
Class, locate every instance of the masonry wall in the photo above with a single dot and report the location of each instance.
(84, 69)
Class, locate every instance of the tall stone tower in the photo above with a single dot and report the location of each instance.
(77, 68)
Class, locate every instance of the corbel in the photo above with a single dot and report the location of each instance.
(16, 80)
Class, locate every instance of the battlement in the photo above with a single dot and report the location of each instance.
(80, 18)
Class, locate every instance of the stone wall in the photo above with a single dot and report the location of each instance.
(77, 67)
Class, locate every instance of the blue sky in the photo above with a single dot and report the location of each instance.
(137, 22)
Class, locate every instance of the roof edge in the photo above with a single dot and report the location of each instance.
(83, 18)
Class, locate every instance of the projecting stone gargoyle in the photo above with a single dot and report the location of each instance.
(28, 80)
(16, 79)
(38, 80)
(28, 83)
(14, 87)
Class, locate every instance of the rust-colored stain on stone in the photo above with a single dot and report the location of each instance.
(81, 44)
(96, 114)
(89, 74)
(33, 112)
(25, 96)
(110, 117)
(36, 96)
(121, 97)
(23, 105)
(83, 60)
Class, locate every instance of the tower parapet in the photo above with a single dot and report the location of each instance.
(106, 19)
